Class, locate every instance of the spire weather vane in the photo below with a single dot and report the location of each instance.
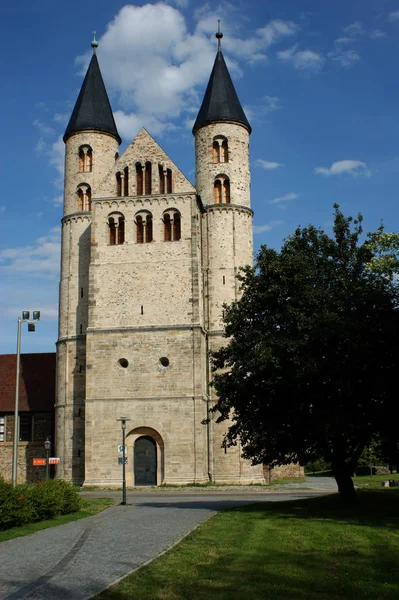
(94, 43)
(219, 34)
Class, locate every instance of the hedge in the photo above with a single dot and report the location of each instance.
(32, 502)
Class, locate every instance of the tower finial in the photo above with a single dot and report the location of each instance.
(219, 35)
(94, 43)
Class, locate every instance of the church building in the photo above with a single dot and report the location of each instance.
(148, 260)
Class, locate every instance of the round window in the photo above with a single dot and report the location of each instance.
(123, 362)
(164, 361)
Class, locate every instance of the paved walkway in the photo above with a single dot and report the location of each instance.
(78, 560)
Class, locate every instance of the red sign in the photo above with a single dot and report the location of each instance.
(39, 462)
(54, 461)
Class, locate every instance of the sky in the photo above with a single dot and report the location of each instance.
(318, 80)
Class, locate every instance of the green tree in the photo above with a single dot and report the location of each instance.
(310, 367)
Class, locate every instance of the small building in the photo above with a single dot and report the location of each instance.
(36, 412)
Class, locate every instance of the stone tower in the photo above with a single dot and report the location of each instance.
(91, 146)
(221, 133)
(147, 262)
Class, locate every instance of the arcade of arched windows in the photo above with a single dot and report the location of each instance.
(84, 197)
(220, 149)
(144, 180)
(171, 226)
(221, 190)
(85, 159)
(144, 227)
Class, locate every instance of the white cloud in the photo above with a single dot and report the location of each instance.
(58, 200)
(2, 208)
(285, 198)
(41, 146)
(377, 34)
(266, 226)
(350, 167)
(343, 40)
(302, 59)
(154, 65)
(61, 118)
(40, 259)
(345, 58)
(129, 125)
(354, 29)
(393, 16)
(57, 159)
(267, 165)
(43, 128)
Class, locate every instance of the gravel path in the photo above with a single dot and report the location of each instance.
(78, 560)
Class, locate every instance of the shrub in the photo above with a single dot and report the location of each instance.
(29, 502)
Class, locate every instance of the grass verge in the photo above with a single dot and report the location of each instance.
(304, 550)
(90, 506)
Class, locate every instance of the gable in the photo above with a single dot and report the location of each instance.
(143, 150)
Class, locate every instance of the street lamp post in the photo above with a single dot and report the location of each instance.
(47, 445)
(123, 424)
(31, 327)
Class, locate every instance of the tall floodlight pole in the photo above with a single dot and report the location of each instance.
(31, 327)
(123, 423)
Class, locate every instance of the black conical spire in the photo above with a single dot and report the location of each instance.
(92, 109)
(220, 102)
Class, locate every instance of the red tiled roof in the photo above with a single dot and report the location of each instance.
(37, 382)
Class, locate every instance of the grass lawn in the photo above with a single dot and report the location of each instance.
(301, 550)
(90, 506)
(373, 481)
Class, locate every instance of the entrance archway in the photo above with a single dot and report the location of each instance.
(145, 461)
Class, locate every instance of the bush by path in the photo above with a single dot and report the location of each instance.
(33, 502)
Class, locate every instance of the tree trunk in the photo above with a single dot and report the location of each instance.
(345, 484)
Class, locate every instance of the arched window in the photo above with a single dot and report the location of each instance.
(167, 228)
(220, 149)
(89, 160)
(221, 190)
(161, 179)
(176, 227)
(116, 229)
(118, 184)
(215, 152)
(226, 191)
(217, 192)
(84, 197)
(144, 227)
(139, 230)
(81, 160)
(112, 231)
(225, 152)
(168, 181)
(121, 230)
(85, 159)
(148, 178)
(171, 226)
(148, 228)
(139, 179)
(126, 181)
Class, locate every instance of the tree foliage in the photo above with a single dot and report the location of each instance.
(309, 369)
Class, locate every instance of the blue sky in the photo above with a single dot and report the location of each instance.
(317, 79)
